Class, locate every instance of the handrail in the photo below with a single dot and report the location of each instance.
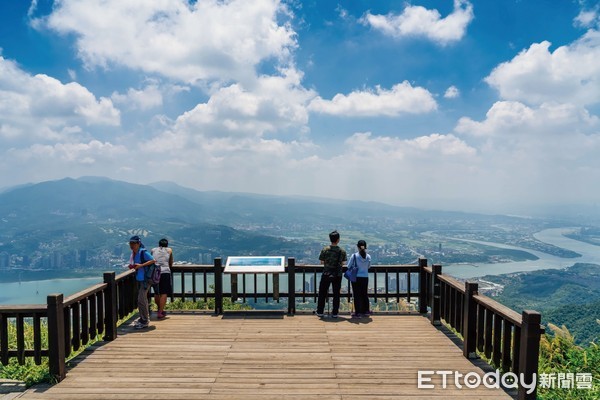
(84, 293)
(22, 308)
(503, 311)
(239, 282)
(70, 322)
(457, 285)
(511, 341)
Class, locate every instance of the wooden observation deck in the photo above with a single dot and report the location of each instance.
(289, 354)
(270, 357)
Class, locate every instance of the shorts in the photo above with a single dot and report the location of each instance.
(164, 286)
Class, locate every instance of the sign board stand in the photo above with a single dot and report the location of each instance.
(255, 265)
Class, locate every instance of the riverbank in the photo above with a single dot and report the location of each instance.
(588, 254)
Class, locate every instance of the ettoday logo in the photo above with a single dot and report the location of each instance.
(472, 380)
(508, 380)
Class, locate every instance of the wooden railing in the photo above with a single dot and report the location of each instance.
(192, 282)
(69, 323)
(509, 340)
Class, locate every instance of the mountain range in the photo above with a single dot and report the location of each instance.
(96, 214)
(102, 199)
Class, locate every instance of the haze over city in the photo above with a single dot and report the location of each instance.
(467, 105)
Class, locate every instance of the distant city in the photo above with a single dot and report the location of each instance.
(63, 235)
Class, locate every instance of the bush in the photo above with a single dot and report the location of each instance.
(30, 373)
(558, 355)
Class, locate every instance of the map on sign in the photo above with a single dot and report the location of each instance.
(241, 265)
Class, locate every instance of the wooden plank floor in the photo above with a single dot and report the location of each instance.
(270, 357)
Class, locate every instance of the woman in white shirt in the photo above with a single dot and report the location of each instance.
(163, 255)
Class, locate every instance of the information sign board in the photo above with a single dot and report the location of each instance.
(255, 264)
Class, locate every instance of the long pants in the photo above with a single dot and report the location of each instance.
(336, 282)
(361, 297)
(143, 302)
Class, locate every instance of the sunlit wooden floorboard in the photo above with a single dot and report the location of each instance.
(187, 356)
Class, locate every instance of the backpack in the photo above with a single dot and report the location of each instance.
(352, 270)
(152, 271)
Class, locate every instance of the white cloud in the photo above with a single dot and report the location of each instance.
(185, 41)
(359, 168)
(40, 162)
(509, 118)
(399, 171)
(419, 21)
(402, 98)
(452, 93)
(434, 145)
(40, 107)
(545, 153)
(540, 140)
(570, 74)
(275, 105)
(145, 99)
(252, 133)
(32, 8)
(588, 18)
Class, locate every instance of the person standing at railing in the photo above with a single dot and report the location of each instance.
(361, 286)
(163, 255)
(332, 257)
(141, 258)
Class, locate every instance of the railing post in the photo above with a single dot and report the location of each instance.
(435, 294)
(529, 352)
(234, 286)
(470, 320)
(291, 271)
(56, 336)
(110, 307)
(218, 286)
(276, 287)
(422, 284)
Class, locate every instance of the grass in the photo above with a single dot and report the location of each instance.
(29, 372)
(559, 355)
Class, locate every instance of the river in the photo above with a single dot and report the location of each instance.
(35, 292)
(589, 254)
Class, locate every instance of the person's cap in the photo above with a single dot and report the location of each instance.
(135, 239)
(362, 243)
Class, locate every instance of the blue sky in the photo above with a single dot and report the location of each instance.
(487, 106)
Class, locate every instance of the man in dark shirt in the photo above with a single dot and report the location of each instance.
(332, 257)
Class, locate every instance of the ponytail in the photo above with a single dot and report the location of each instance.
(362, 248)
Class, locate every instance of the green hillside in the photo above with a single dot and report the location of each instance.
(569, 297)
